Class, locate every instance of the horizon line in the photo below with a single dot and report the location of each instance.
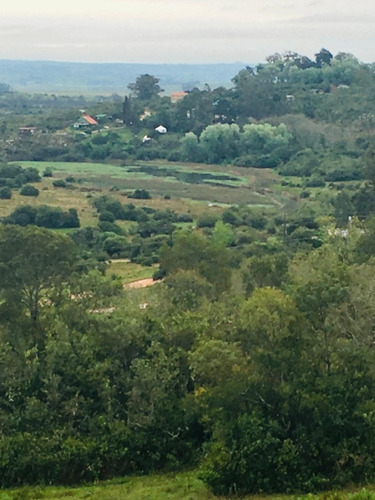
(123, 62)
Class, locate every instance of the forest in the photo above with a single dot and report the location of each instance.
(251, 358)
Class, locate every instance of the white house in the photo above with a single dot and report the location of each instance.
(161, 129)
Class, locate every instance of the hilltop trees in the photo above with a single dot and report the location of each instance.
(145, 87)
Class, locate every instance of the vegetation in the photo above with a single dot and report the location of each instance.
(251, 359)
(181, 486)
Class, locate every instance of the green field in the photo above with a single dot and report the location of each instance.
(129, 271)
(182, 486)
(219, 184)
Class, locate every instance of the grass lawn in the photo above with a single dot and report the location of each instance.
(180, 486)
(129, 271)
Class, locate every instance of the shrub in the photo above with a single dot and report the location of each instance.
(315, 182)
(305, 194)
(50, 217)
(59, 183)
(47, 172)
(140, 194)
(108, 204)
(116, 245)
(29, 190)
(109, 227)
(207, 220)
(107, 216)
(159, 274)
(70, 219)
(5, 193)
(184, 218)
(22, 216)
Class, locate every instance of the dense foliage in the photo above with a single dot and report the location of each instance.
(273, 392)
(43, 216)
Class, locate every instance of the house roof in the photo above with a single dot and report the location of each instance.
(90, 119)
(177, 96)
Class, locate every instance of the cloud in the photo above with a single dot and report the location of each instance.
(182, 30)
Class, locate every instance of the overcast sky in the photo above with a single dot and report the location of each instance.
(183, 31)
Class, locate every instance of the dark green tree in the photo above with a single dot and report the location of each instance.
(145, 87)
(323, 57)
(34, 263)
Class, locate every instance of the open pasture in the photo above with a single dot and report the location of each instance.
(203, 183)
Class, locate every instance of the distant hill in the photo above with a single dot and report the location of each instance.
(105, 78)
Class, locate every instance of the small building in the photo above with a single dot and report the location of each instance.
(161, 129)
(90, 120)
(27, 130)
(85, 121)
(177, 96)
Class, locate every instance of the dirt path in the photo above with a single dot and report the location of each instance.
(139, 284)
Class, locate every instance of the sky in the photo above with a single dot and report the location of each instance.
(183, 31)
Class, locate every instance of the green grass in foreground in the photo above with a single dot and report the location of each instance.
(183, 486)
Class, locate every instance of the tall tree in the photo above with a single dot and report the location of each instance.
(145, 87)
(323, 57)
(33, 263)
(127, 112)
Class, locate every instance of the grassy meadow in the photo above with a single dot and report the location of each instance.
(216, 184)
(181, 486)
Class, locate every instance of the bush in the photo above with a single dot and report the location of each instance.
(29, 190)
(70, 219)
(116, 245)
(315, 182)
(59, 183)
(22, 216)
(140, 194)
(184, 218)
(47, 172)
(107, 204)
(109, 227)
(5, 193)
(107, 216)
(159, 274)
(207, 220)
(43, 216)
